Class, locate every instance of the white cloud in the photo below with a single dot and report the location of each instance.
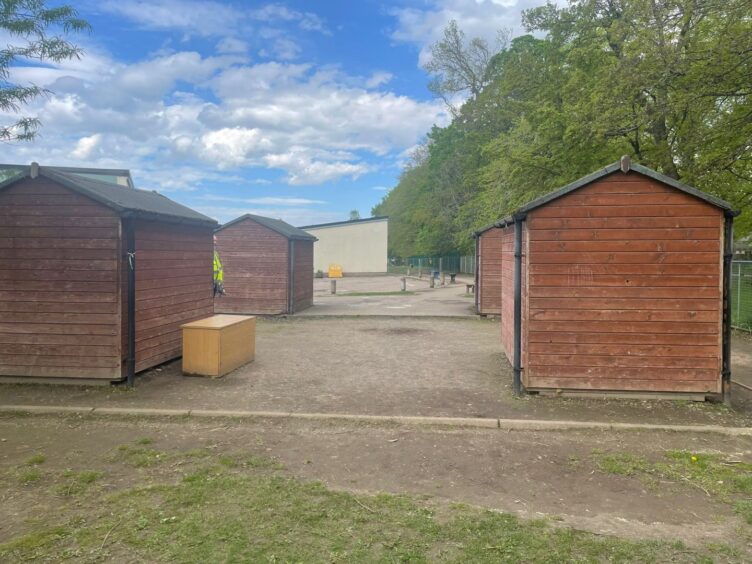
(292, 215)
(379, 78)
(234, 146)
(477, 18)
(303, 169)
(231, 45)
(192, 16)
(381, 188)
(86, 145)
(307, 21)
(265, 201)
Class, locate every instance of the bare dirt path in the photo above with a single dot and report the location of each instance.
(375, 366)
(531, 474)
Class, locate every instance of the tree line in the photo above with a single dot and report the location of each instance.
(668, 82)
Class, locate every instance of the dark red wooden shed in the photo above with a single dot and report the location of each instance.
(619, 282)
(96, 278)
(268, 266)
(488, 270)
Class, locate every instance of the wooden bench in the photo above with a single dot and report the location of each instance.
(469, 288)
(452, 276)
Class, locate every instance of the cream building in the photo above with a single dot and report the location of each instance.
(359, 246)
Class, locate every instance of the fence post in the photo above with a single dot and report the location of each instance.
(333, 286)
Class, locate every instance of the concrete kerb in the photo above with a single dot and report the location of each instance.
(407, 420)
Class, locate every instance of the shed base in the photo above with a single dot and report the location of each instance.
(616, 394)
(62, 381)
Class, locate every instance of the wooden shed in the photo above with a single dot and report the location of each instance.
(95, 277)
(268, 266)
(488, 270)
(619, 282)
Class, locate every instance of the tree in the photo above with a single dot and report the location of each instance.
(459, 67)
(40, 32)
(354, 214)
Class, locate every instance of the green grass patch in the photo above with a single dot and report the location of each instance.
(139, 456)
(365, 294)
(36, 459)
(27, 477)
(622, 464)
(729, 481)
(236, 508)
(145, 441)
(77, 482)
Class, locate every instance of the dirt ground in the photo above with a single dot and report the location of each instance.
(530, 474)
(381, 295)
(376, 366)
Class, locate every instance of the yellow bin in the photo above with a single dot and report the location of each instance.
(219, 344)
(335, 271)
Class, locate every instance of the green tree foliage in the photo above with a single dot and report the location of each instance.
(39, 33)
(667, 81)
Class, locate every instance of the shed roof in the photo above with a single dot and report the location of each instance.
(625, 165)
(281, 227)
(348, 222)
(125, 201)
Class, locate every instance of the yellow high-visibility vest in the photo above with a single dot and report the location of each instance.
(219, 275)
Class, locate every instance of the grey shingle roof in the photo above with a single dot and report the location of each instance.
(625, 165)
(277, 225)
(123, 200)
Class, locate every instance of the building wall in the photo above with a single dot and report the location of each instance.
(173, 287)
(359, 247)
(489, 272)
(59, 291)
(625, 289)
(256, 269)
(303, 274)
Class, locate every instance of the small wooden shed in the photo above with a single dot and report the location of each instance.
(619, 282)
(268, 266)
(95, 277)
(488, 270)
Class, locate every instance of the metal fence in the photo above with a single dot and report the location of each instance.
(741, 294)
(457, 264)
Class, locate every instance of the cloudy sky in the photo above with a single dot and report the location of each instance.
(300, 110)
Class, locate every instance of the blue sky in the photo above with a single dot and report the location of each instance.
(296, 110)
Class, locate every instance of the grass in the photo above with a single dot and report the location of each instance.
(238, 507)
(729, 481)
(365, 294)
(77, 482)
(36, 459)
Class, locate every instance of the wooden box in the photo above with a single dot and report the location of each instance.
(219, 344)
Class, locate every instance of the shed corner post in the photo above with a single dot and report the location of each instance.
(130, 256)
(477, 273)
(517, 378)
(291, 277)
(728, 254)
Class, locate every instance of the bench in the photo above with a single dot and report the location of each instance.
(452, 276)
(469, 288)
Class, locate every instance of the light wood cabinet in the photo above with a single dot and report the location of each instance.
(219, 344)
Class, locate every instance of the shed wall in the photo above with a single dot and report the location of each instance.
(303, 274)
(59, 290)
(173, 287)
(256, 269)
(625, 289)
(490, 263)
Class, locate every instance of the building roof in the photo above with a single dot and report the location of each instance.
(281, 227)
(624, 165)
(121, 176)
(348, 222)
(125, 201)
